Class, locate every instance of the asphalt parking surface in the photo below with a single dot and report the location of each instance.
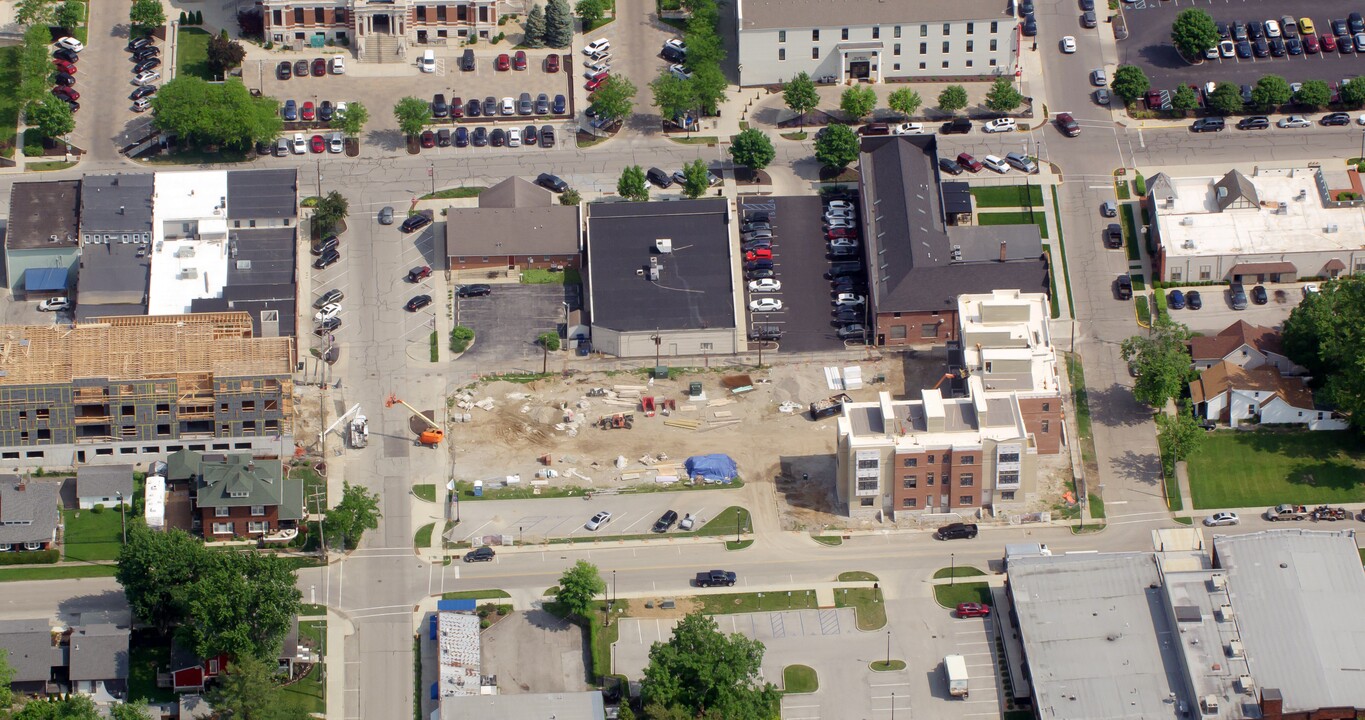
(799, 258)
(1149, 42)
(565, 517)
(507, 322)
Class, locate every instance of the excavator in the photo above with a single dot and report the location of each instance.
(432, 434)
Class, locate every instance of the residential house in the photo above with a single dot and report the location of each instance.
(90, 657)
(104, 485)
(517, 225)
(237, 496)
(192, 673)
(42, 238)
(1232, 394)
(1243, 344)
(29, 513)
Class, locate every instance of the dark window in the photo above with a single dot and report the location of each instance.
(421, 13)
(1046, 424)
(896, 49)
(896, 32)
(782, 53)
(929, 479)
(946, 46)
(971, 28)
(298, 16)
(964, 500)
(911, 462)
(843, 34)
(868, 464)
(995, 27)
(876, 32)
(966, 480)
(924, 49)
(441, 13)
(993, 44)
(908, 502)
(947, 28)
(1047, 407)
(318, 16)
(278, 16)
(968, 459)
(339, 15)
(910, 481)
(815, 35)
(815, 53)
(782, 36)
(971, 45)
(931, 459)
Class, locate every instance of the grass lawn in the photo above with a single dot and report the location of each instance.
(9, 97)
(696, 140)
(425, 492)
(64, 572)
(1081, 398)
(1260, 469)
(957, 571)
(799, 679)
(830, 540)
(1061, 242)
(725, 603)
(1130, 233)
(727, 522)
(857, 576)
(480, 594)
(1008, 196)
(422, 538)
(867, 604)
(541, 276)
(732, 545)
(48, 166)
(313, 483)
(452, 193)
(308, 693)
(1018, 217)
(884, 666)
(192, 53)
(148, 651)
(950, 596)
(92, 536)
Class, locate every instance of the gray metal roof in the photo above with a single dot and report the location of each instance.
(769, 14)
(116, 203)
(112, 274)
(499, 231)
(104, 481)
(99, 652)
(1299, 597)
(1097, 637)
(39, 210)
(30, 514)
(31, 652)
(694, 290)
(534, 706)
(260, 194)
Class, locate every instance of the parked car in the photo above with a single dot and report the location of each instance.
(1222, 518)
(553, 183)
(1255, 122)
(475, 290)
(467, 61)
(968, 162)
(1294, 121)
(503, 63)
(1259, 295)
(659, 177)
(290, 111)
(1193, 300)
(497, 138)
(956, 531)
(142, 67)
(417, 303)
(547, 136)
(55, 304)
(71, 44)
(765, 285)
(1109, 208)
(300, 145)
(415, 223)
(519, 60)
(1237, 296)
(552, 63)
(765, 305)
(1021, 162)
(665, 521)
(480, 554)
(319, 67)
(949, 166)
(327, 260)
(386, 215)
(855, 331)
(418, 274)
(1123, 287)
(1176, 300)
(1336, 118)
(1113, 236)
(597, 47)
(973, 610)
(439, 108)
(598, 520)
(428, 139)
(1209, 124)
(479, 137)
(559, 106)
(995, 163)
(1098, 78)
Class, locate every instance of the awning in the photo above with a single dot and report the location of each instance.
(1275, 268)
(1333, 264)
(45, 279)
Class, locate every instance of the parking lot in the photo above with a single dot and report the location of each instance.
(507, 322)
(551, 518)
(1217, 312)
(1149, 43)
(800, 265)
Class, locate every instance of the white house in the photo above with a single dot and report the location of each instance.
(1245, 345)
(874, 40)
(107, 485)
(1232, 394)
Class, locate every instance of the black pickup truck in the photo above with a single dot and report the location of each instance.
(714, 578)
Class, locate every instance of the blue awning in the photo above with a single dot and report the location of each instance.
(45, 279)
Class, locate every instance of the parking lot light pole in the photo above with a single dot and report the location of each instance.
(888, 649)
(123, 516)
(952, 568)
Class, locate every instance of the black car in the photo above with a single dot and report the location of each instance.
(415, 223)
(1277, 47)
(329, 297)
(467, 61)
(1193, 300)
(1355, 22)
(1088, 20)
(765, 332)
(142, 92)
(1338, 27)
(1030, 28)
(845, 316)
(1255, 122)
(759, 274)
(752, 226)
(62, 78)
(659, 177)
(498, 137)
(1294, 45)
(146, 65)
(1256, 29)
(847, 284)
(547, 136)
(148, 53)
(64, 54)
(757, 217)
(1345, 45)
(480, 554)
(1224, 31)
(301, 68)
(477, 290)
(328, 259)
(480, 137)
(461, 137)
(665, 521)
(1259, 295)
(138, 43)
(443, 137)
(949, 166)
(1087, 5)
(542, 104)
(957, 126)
(1113, 236)
(1123, 287)
(1025, 7)
(417, 303)
(1260, 47)
(490, 106)
(1244, 49)
(530, 135)
(326, 111)
(956, 531)
(553, 183)
(1237, 296)
(439, 108)
(331, 242)
(284, 71)
(326, 326)
(474, 108)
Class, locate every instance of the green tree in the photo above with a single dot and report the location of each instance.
(137, 710)
(52, 116)
(558, 24)
(34, 12)
(71, 707)
(1226, 98)
(753, 149)
(674, 96)
(704, 49)
(579, 586)
(242, 604)
(632, 185)
(1002, 96)
(858, 101)
(1193, 32)
(35, 64)
(655, 711)
(1184, 98)
(1323, 334)
(904, 101)
(353, 120)
(534, 28)
(570, 197)
(837, 147)
(248, 691)
(146, 15)
(1313, 94)
(615, 98)
(710, 84)
(800, 96)
(1178, 436)
(357, 512)
(331, 209)
(224, 55)
(156, 570)
(625, 713)
(413, 115)
(1353, 92)
(591, 12)
(696, 179)
(548, 340)
(71, 14)
(952, 99)
(1129, 82)
(708, 673)
(225, 114)
(1161, 361)
(1271, 91)
(6, 677)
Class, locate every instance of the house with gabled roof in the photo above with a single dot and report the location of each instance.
(29, 514)
(235, 495)
(1241, 343)
(1232, 394)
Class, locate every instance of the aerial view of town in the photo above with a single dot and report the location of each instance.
(682, 359)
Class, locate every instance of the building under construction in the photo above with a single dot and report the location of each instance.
(135, 388)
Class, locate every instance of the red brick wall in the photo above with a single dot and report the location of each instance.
(239, 517)
(947, 469)
(940, 327)
(475, 262)
(1043, 418)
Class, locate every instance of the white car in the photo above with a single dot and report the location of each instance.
(847, 213)
(340, 111)
(1272, 28)
(513, 137)
(427, 62)
(1227, 49)
(765, 305)
(338, 64)
(907, 129)
(843, 243)
(597, 47)
(849, 299)
(765, 285)
(995, 164)
(509, 106)
(71, 44)
(677, 44)
(54, 304)
(1311, 289)
(598, 520)
(839, 222)
(1068, 44)
(146, 77)
(335, 144)
(1294, 121)
(999, 125)
(839, 205)
(680, 72)
(1222, 518)
(328, 311)
(300, 145)
(1211, 53)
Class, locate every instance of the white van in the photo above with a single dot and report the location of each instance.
(996, 164)
(428, 61)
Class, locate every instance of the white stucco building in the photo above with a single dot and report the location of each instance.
(875, 40)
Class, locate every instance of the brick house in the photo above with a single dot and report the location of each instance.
(516, 226)
(236, 496)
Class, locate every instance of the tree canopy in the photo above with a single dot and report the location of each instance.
(800, 95)
(614, 98)
(631, 185)
(156, 569)
(331, 209)
(708, 674)
(70, 14)
(696, 179)
(1193, 32)
(203, 113)
(591, 13)
(673, 95)
(1184, 98)
(1161, 361)
(1225, 98)
(952, 99)
(353, 120)
(1129, 82)
(1313, 94)
(52, 116)
(248, 690)
(752, 148)
(580, 585)
(358, 510)
(533, 30)
(858, 101)
(1178, 435)
(837, 147)
(34, 12)
(1271, 91)
(1323, 334)
(558, 24)
(224, 54)
(1003, 97)
(1353, 91)
(904, 101)
(71, 707)
(6, 677)
(146, 15)
(413, 115)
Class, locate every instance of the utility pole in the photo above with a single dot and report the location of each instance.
(659, 340)
(123, 516)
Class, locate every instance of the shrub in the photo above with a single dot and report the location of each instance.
(460, 338)
(97, 509)
(483, 624)
(1140, 185)
(30, 557)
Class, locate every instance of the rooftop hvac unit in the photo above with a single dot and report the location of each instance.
(1330, 229)
(1210, 703)
(53, 239)
(1187, 221)
(653, 273)
(188, 274)
(1247, 683)
(1218, 581)
(243, 264)
(1188, 244)
(1235, 649)
(663, 245)
(1303, 194)
(1225, 612)
(185, 251)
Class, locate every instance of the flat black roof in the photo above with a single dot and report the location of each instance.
(117, 203)
(262, 194)
(112, 274)
(261, 276)
(40, 210)
(694, 289)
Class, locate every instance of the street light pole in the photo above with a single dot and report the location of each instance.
(952, 568)
(123, 516)
(888, 649)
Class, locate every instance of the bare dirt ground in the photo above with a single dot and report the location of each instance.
(637, 609)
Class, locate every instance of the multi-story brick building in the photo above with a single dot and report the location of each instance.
(380, 30)
(235, 495)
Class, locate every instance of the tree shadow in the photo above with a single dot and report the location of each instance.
(387, 139)
(543, 619)
(1144, 468)
(1162, 56)
(1116, 406)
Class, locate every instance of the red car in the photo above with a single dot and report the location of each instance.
(1310, 44)
(519, 60)
(428, 139)
(1068, 125)
(64, 66)
(418, 274)
(758, 254)
(504, 62)
(308, 112)
(834, 233)
(971, 610)
(552, 64)
(1329, 43)
(457, 107)
(319, 67)
(317, 144)
(596, 81)
(969, 163)
(66, 93)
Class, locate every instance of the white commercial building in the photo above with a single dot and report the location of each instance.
(875, 40)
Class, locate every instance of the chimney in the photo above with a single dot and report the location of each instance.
(22, 486)
(1003, 252)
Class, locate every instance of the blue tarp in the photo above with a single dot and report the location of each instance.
(457, 605)
(45, 279)
(712, 467)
